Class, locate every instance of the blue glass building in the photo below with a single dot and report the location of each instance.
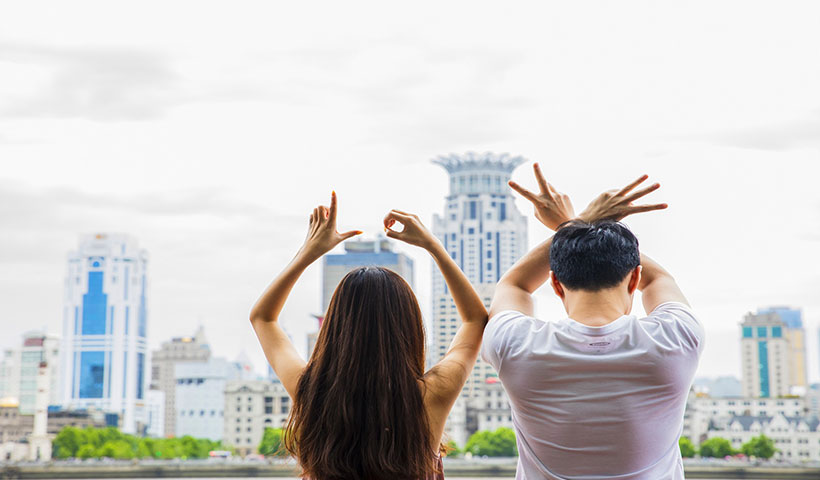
(104, 351)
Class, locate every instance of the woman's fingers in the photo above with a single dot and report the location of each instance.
(333, 207)
(632, 185)
(349, 234)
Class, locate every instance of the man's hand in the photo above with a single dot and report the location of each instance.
(617, 204)
(552, 208)
(414, 232)
(322, 235)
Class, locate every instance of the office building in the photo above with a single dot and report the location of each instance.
(104, 354)
(362, 253)
(485, 234)
(796, 336)
(163, 377)
(250, 407)
(200, 396)
(773, 353)
(20, 370)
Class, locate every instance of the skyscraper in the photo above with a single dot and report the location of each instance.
(485, 234)
(362, 253)
(104, 350)
(765, 356)
(796, 336)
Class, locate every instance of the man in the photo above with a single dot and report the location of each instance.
(600, 394)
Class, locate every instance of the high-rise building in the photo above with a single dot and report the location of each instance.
(163, 361)
(362, 253)
(20, 370)
(485, 234)
(104, 353)
(796, 336)
(765, 356)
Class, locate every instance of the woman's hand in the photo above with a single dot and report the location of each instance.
(617, 204)
(414, 232)
(552, 208)
(322, 236)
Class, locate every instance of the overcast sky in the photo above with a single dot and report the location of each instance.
(209, 130)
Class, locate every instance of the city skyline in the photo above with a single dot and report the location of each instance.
(213, 149)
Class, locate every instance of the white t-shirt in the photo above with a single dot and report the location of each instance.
(597, 402)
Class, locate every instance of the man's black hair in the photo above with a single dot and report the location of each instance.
(593, 256)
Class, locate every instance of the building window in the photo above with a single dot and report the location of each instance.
(761, 332)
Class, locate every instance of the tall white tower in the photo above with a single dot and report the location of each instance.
(39, 441)
(104, 352)
(485, 234)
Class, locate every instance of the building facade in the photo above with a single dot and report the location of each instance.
(20, 370)
(704, 413)
(163, 377)
(200, 396)
(796, 438)
(104, 355)
(485, 234)
(363, 253)
(796, 337)
(765, 356)
(250, 407)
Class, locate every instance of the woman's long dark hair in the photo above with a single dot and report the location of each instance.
(358, 411)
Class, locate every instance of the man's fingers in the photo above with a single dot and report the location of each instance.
(647, 208)
(545, 187)
(632, 185)
(642, 192)
(523, 192)
(323, 211)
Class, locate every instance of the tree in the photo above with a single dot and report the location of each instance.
(271, 443)
(716, 447)
(687, 449)
(66, 443)
(87, 451)
(109, 442)
(500, 443)
(452, 449)
(760, 446)
(118, 449)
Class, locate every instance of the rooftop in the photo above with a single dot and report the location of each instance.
(479, 161)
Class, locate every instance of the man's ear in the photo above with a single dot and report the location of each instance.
(634, 280)
(556, 285)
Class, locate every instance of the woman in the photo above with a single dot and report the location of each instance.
(364, 408)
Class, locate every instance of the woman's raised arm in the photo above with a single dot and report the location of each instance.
(446, 379)
(279, 350)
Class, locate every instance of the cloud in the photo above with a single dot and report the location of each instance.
(777, 137)
(35, 221)
(100, 83)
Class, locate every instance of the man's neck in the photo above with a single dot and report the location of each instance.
(596, 309)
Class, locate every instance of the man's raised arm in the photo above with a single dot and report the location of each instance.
(515, 288)
(657, 286)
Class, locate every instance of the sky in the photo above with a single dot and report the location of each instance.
(210, 130)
